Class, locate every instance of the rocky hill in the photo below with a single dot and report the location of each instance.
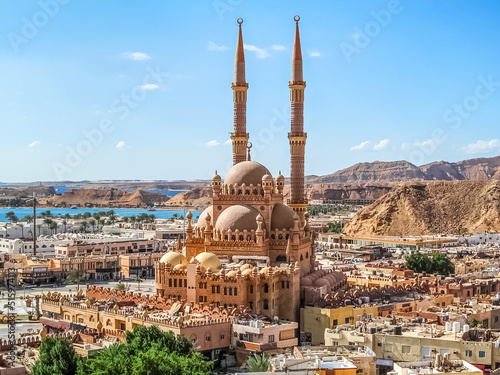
(472, 169)
(199, 196)
(419, 208)
(26, 192)
(108, 198)
(340, 192)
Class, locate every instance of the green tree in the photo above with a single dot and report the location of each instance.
(83, 226)
(75, 277)
(121, 286)
(419, 263)
(147, 350)
(258, 363)
(438, 263)
(442, 265)
(11, 216)
(28, 219)
(57, 357)
(93, 223)
(335, 227)
(53, 226)
(138, 280)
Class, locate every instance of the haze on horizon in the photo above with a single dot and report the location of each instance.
(148, 86)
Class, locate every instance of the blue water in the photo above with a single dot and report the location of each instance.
(170, 193)
(160, 214)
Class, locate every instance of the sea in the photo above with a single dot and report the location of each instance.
(21, 212)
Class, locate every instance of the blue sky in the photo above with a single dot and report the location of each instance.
(141, 90)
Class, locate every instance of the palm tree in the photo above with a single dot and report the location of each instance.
(53, 226)
(121, 286)
(75, 276)
(92, 222)
(83, 226)
(65, 223)
(138, 280)
(11, 216)
(101, 222)
(258, 363)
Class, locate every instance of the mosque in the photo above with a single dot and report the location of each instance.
(250, 248)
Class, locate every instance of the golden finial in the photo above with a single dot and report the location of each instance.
(240, 21)
(249, 146)
(296, 19)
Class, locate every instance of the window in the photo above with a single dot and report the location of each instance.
(230, 291)
(482, 354)
(426, 352)
(282, 284)
(270, 338)
(266, 288)
(213, 288)
(170, 283)
(207, 338)
(444, 351)
(218, 288)
(201, 298)
(222, 335)
(251, 288)
(496, 319)
(288, 284)
(236, 293)
(335, 322)
(185, 283)
(225, 291)
(175, 283)
(346, 320)
(406, 349)
(266, 304)
(468, 353)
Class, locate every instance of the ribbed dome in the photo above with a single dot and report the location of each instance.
(282, 217)
(248, 271)
(237, 217)
(209, 260)
(202, 221)
(173, 258)
(306, 281)
(246, 172)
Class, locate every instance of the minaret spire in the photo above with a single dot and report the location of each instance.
(297, 137)
(239, 137)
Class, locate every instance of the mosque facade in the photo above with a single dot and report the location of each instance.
(251, 246)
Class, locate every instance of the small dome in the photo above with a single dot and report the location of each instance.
(179, 267)
(245, 267)
(202, 221)
(173, 258)
(248, 271)
(216, 177)
(231, 274)
(322, 282)
(237, 217)
(282, 217)
(306, 281)
(280, 177)
(246, 172)
(209, 260)
(264, 271)
(267, 177)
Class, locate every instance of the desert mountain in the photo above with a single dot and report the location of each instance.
(472, 169)
(108, 198)
(431, 207)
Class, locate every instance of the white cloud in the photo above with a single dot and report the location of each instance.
(314, 54)
(213, 143)
(138, 56)
(33, 144)
(261, 53)
(428, 143)
(278, 47)
(120, 145)
(150, 86)
(228, 142)
(381, 145)
(214, 47)
(361, 146)
(482, 147)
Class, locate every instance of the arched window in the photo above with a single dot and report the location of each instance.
(266, 304)
(222, 335)
(266, 288)
(281, 258)
(208, 337)
(193, 339)
(225, 291)
(307, 255)
(301, 257)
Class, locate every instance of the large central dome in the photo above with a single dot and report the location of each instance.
(238, 217)
(246, 172)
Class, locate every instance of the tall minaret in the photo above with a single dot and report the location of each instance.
(240, 136)
(297, 136)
